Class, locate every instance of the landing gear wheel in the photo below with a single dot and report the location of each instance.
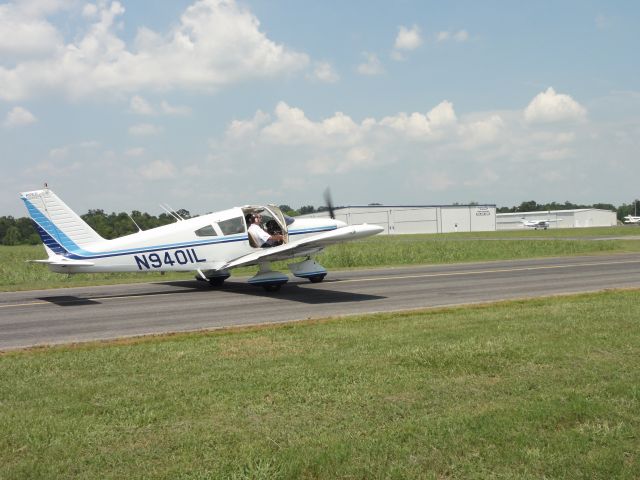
(217, 281)
(317, 278)
(272, 288)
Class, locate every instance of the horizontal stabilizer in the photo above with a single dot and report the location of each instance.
(63, 262)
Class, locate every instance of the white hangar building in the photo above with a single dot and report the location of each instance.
(579, 218)
(400, 219)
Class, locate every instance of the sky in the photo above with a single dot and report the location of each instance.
(208, 104)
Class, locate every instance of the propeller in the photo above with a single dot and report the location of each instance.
(329, 203)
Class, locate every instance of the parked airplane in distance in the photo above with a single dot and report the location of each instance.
(536, 224)
(209, 245)
(632, 219)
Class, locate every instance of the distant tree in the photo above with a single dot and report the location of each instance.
(12, 237)
(184, 213)
(628, 209)
(307, 209)
(530, 206)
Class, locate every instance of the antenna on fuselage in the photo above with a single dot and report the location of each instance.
(134, 222)
(168, 209)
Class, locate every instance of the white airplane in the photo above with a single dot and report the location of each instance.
(209, 245)
(632, 219)
(536, 224)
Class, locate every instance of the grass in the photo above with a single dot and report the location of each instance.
(538, 389)
(379, 251)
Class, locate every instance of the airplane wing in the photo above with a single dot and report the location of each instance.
(305, 246)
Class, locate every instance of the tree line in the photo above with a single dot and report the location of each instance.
(21, 231)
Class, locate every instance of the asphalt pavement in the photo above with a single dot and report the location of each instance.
(43, 317)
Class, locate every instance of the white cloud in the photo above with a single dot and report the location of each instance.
(292, 127)
(145, 130)
(459, 36)
(22, 32)
(324, 72)
(90, 10)
(174, 109)
(371, 66)
(214, 44)
(19, 117)
(483, 132)
(158, 170)
(408, 38)
(242, 128)
(550, 107)
(418, 125)
(140, 106)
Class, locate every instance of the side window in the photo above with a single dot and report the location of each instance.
(232, 225)
(207, 231)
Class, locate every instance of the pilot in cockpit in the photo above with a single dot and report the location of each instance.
(258, 236)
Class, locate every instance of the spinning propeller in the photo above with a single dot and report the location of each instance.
(329, 203)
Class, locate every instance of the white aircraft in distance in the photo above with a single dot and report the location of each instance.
(632, 219)
(544, 224)
(210, 245)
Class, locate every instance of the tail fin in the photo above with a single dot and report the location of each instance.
(59, 227)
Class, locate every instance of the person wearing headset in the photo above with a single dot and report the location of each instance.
(261, 238)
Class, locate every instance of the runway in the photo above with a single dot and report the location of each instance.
(96, 313)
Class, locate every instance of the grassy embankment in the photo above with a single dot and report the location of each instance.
(379, 251)
(539, 389)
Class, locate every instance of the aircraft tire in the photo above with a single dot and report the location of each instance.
(317, 278)
(216, 281)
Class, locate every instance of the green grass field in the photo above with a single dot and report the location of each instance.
(539, 389)
(379, 251)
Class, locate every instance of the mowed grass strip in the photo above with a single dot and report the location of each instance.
(378, 251)
(547, 388)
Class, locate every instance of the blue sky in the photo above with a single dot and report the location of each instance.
(208, 104)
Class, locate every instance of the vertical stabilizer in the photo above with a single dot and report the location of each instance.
(59, 227)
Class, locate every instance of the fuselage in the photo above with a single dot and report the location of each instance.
(203, 243)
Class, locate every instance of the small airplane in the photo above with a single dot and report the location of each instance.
(632, 219)
(210, 245)
(536, 224)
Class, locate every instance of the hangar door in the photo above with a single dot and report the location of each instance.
(413, 220)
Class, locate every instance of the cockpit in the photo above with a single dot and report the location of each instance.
(271, 220)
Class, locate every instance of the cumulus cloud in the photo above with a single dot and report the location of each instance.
(214, 44)
(408, 38)
(371, 66)
(324, 72)
(169, 109)
(19, 117)
(550, 107)
(140, 106)
(292, 127)
(23, 32)
(423, 126)
(482, 132)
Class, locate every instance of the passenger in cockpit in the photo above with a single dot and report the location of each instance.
(258, 236)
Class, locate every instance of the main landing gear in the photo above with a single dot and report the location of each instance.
(271, 281)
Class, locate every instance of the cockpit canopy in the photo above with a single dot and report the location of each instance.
(274, 222)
